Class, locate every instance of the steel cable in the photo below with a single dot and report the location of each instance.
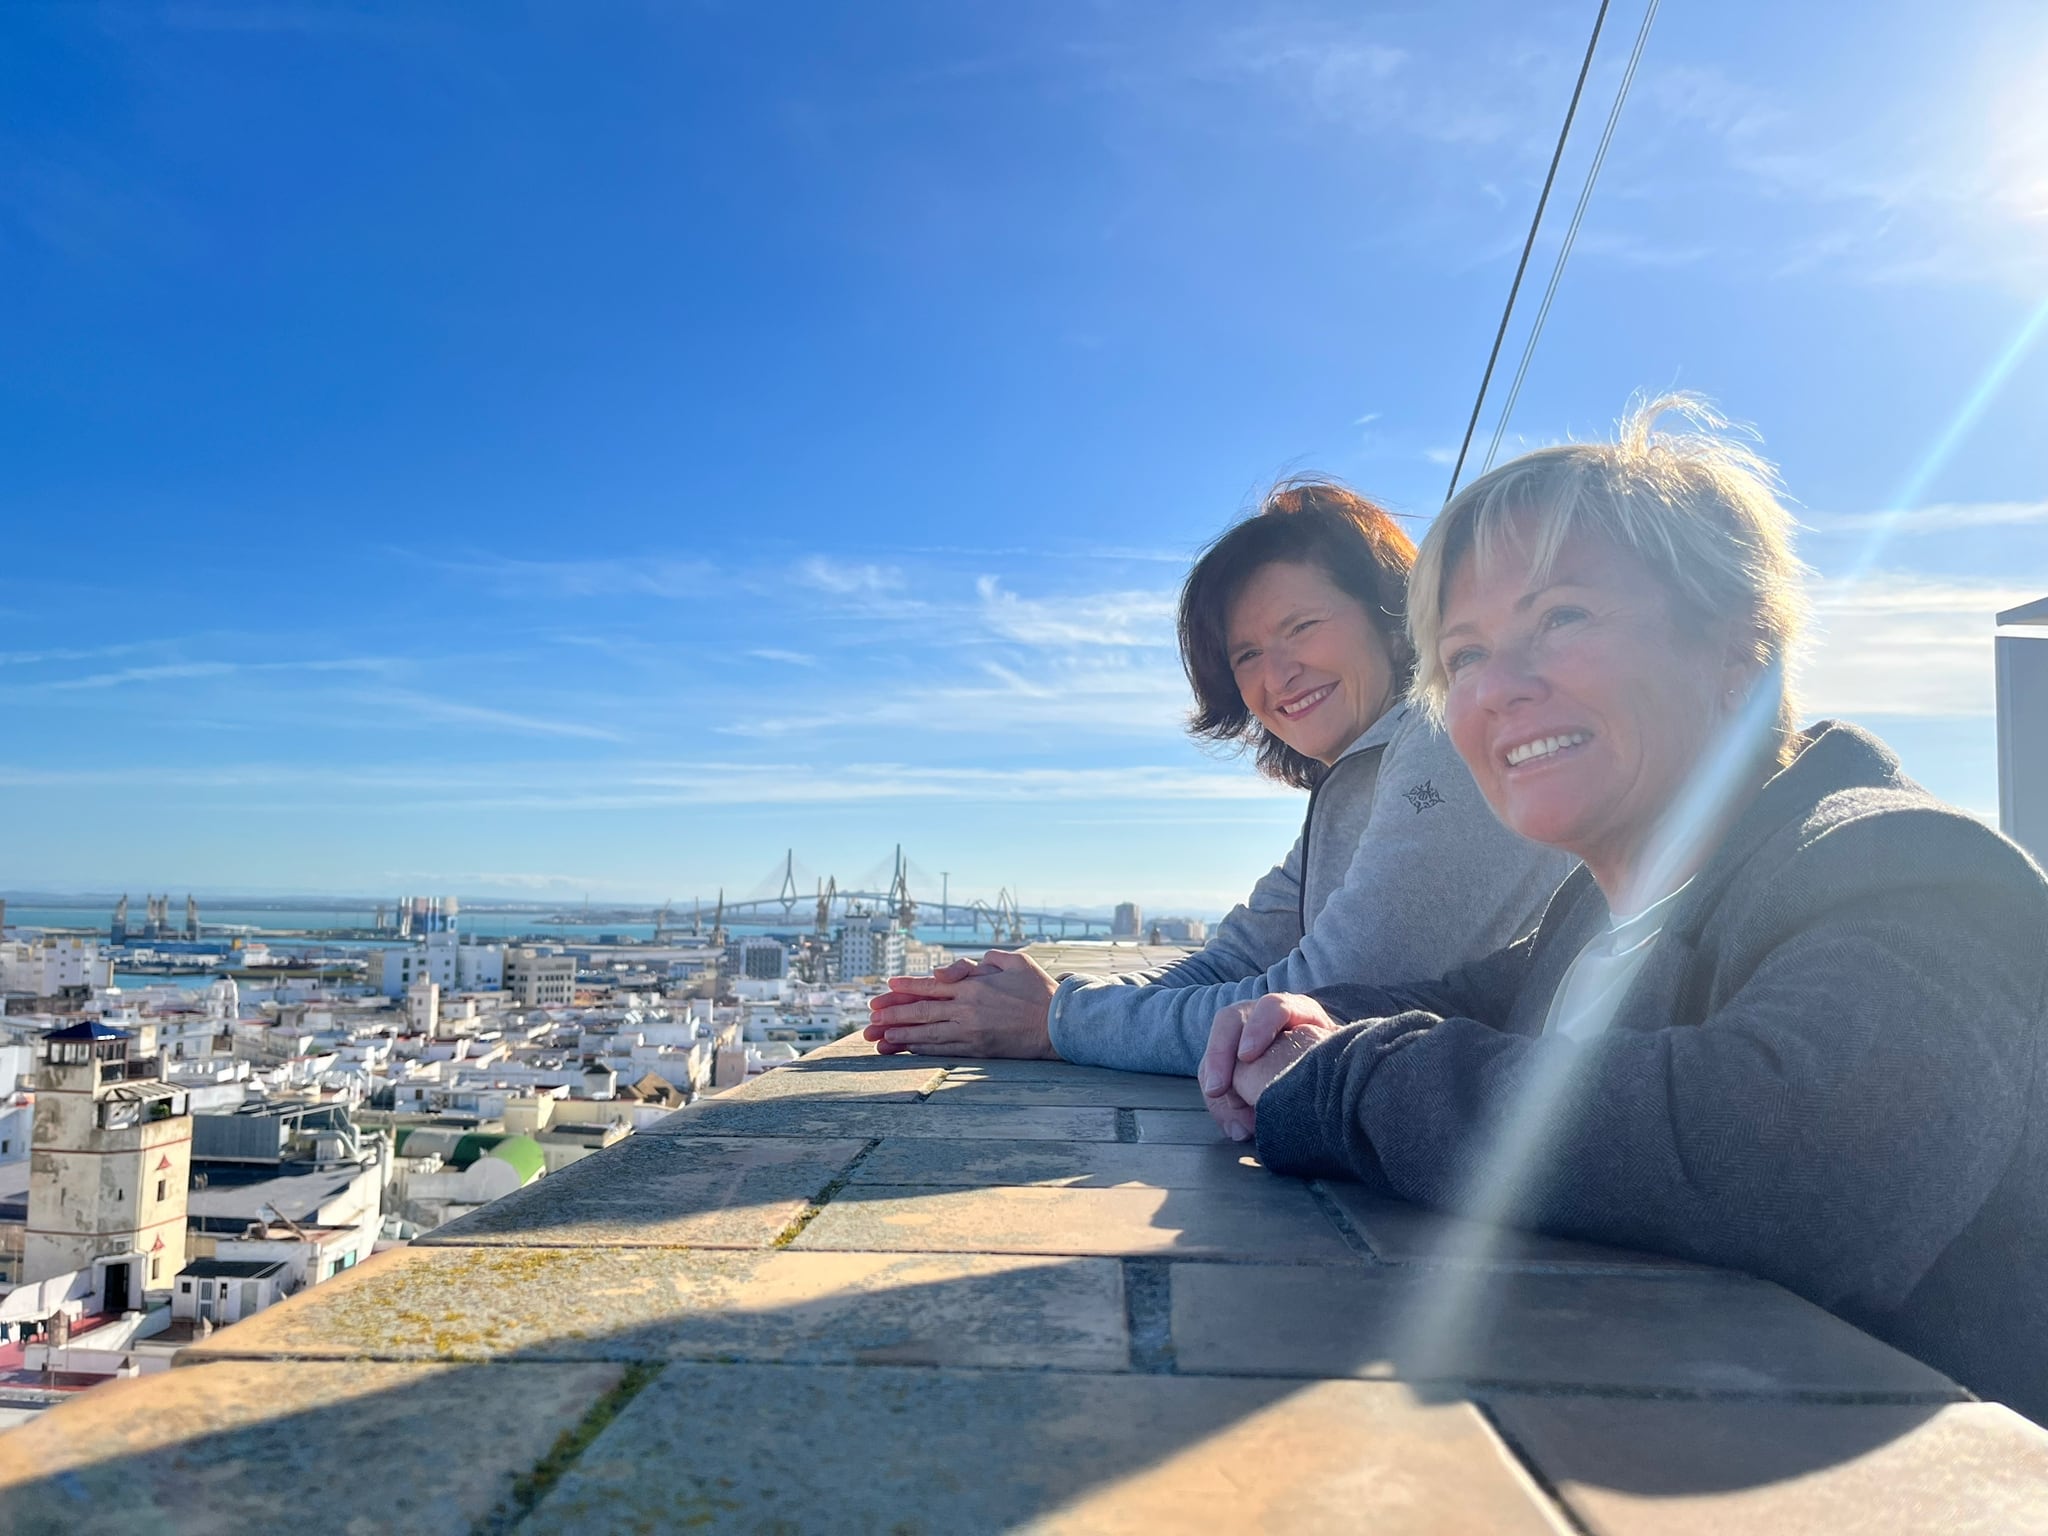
(1571, 234)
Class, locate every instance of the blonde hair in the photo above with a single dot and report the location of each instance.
(1698, 507)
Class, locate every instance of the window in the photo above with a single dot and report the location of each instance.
(185, 1286)
(160, 1186)
(156, 1267)
(121, 1194)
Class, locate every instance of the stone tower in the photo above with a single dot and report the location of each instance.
(110, 1158)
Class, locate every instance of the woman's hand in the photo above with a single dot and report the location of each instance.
(994, 1007)
(1252, 1043)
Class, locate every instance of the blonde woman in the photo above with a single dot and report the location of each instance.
(1789, 1016)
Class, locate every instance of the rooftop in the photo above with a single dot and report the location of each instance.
(868, 1293)
(235, 1194)
(230, 1269)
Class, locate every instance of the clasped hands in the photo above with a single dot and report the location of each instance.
(998, 1006)
(995, 1006)
(1251, 1044)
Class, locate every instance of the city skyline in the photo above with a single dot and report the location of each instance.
(594, 453)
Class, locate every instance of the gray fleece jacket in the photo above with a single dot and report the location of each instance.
(1831, 1071)
(1400, 870)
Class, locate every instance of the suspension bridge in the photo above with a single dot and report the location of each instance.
(827, 903)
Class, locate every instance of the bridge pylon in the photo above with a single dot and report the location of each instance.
(789, 895)
(900, 903)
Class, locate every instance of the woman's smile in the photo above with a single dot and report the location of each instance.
(1307, 659)
(1296, 707)
(1576, 698)
(1544, 749)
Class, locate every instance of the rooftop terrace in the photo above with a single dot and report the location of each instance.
(893, 1294)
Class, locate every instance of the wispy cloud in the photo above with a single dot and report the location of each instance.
(1886, 202)
(1356, 81)
(89, 653)
(682, 783)
(848, 579)
(1100, 618)
(1898, 644)
(439, 711)
(658, 576)
(685, 785)
(1625, 248)
(792, 658)
(1944, 517)
(184, 671)
(1111, 694)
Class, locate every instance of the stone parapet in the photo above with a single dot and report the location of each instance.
(895, 1294)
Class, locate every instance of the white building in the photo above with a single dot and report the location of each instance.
(756, 959)
(222, 1291)
(2023, 726)
(423, 1008)
(443, 959)
(1127, 921)
(538, 979)
(17, 1104)
(867, 944)
(47, 966)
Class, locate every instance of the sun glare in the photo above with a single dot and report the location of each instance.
(2018, 141)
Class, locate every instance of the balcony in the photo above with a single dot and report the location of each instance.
(904, 1295)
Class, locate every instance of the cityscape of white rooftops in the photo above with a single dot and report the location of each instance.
(224, 1114)
(486, 491)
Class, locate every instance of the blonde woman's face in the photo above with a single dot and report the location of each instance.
(1308, 660)
(1576, 700)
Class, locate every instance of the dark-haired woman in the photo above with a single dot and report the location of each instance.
(1292, 634)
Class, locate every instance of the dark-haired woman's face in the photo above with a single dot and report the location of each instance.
(1308, 660)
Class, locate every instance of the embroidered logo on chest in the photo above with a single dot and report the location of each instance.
(1422, 796)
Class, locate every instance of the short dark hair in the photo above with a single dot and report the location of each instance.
(1303, 521)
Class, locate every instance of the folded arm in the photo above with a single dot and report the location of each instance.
(1832, 1125)
(1420, 895)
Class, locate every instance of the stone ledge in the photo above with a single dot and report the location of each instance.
(871, 1293)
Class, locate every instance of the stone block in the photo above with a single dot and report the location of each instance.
(1182, 1127)
(1112, 1090)
(709, 1192)
(856, 1053)
(825, 1086)
(1697, 1333)
(1786, 1469)
(1401, 1233)
(259, 1446)
(1055, 1454)
(1271, 1219)
(848, 1047)
(800, 1117)
(1080, 1164)
(1003, 1069)
(665, 1304)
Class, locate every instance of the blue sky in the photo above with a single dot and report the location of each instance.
(561, 447)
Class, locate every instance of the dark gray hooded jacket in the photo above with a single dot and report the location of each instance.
(1829, 1073)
